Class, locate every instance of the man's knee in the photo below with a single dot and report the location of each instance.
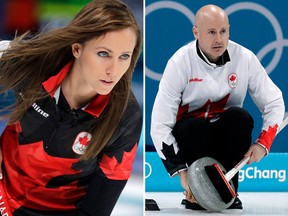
(239, 115)
(190, 126)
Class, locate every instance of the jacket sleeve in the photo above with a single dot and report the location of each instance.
(268, 98)
(115, 165)
(164, 116)
(102, 196)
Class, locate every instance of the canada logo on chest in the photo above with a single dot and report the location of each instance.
(232, 80)
(80, 144)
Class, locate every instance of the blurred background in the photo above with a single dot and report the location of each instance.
(19, 16)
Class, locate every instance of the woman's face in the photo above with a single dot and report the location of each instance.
(100, 63)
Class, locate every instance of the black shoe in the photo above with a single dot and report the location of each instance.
(190, 205)
(151, 205)
(237, 204)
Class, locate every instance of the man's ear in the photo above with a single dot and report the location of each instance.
(195, 32)
(77, 49)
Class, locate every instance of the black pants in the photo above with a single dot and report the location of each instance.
(225, 138)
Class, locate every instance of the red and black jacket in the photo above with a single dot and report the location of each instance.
(43, 173)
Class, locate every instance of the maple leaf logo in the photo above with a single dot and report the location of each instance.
(214, 108)
(266, 137)
(84, 140)
(118, 169)
(81, 142)
(232, 78)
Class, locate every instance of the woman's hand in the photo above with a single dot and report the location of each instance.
(256, 152)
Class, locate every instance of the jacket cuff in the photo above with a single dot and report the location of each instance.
(177, 170)
(267, 151)
(266, 137)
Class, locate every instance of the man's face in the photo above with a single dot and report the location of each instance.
(213, 36)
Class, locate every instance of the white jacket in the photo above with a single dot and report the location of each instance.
(192, 87)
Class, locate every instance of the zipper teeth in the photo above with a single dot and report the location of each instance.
(207, 111)
(59, 122)
(57, 125)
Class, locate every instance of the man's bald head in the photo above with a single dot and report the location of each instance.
(210, 13)
(211, 29)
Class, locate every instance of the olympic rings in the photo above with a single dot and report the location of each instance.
(278, 44)
(150, 170)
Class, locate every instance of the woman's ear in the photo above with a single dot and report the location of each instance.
(76, 50)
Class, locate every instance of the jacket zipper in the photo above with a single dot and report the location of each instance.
(207, 111)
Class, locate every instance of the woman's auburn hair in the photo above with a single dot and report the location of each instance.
(29, 61)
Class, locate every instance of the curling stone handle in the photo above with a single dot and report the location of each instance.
(229, 175)
(283, 125)
(236, 169)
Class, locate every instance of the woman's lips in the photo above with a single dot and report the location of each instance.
(106, 82)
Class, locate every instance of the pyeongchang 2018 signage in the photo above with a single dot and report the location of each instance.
(259, 25)
(270, 175)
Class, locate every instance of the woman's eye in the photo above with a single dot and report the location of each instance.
(125, 56)
(103, 54)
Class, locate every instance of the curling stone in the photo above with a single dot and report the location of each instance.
(202, 187)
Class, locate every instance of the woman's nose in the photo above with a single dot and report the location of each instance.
(111, 68)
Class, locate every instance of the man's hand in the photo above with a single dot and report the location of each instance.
(184, 182)
(256, 152)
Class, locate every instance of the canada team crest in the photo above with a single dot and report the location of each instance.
(81, 142)
(232, 80)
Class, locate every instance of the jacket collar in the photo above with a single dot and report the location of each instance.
(222, 60)
(53, 85)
